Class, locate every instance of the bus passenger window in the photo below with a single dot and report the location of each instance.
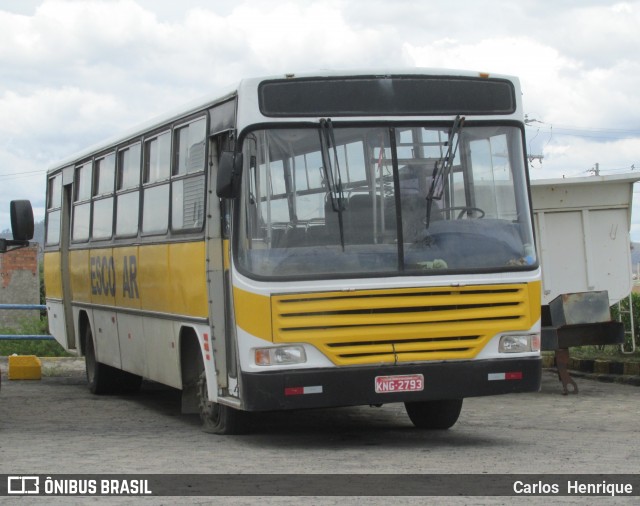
(187, 207)
(155, 214)
(54, 195)
(83, 182)
(157, 158)
(102, 218)
(54, 202)
(129, 167)
(189, 148)
(127, 214)
(82, 206)
(81, 215)
(53, 227)
(104, 174)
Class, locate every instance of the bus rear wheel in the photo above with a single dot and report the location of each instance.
(434, 415)
(218, 418)
(102, 378)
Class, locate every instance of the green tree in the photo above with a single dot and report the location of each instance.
(622, 313)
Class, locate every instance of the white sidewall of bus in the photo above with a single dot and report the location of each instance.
(57, 323)
(104, 327)
(146, 346)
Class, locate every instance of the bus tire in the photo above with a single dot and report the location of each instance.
(104, 379)
(434, 415)
(218, 418)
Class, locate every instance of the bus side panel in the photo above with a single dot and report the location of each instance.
(57, 323)
(54, 298)
(127, 289)
(52, 275)
(162, 351)
(105, 335)
(133, 350)
(80, 275)
(102, 277)
(154, 278)
(188, 278)
(171, 279)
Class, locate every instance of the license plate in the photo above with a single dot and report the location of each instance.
(404, 383)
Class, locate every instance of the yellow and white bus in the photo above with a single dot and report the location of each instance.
(306, 241)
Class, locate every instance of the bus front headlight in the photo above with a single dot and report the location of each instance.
(280, 355)
(519, 343)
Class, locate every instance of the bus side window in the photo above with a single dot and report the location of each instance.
(127, 214)
(102, 227)
(54, 203)
(190, 148)
(104, 176)
(188, 203)
(82, 203)
(129, 167)
(157, 164)
(128, 191)
(188, 184)
(155, 216)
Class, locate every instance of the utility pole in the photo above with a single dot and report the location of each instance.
(528, 121)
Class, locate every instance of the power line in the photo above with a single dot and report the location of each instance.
(16, 175)
(585, 132)
(569, 133)
(598, 129)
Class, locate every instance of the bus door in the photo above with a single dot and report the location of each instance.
(220, 292)
(65, 238)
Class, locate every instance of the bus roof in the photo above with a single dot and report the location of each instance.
(244, 87)
(174, 115)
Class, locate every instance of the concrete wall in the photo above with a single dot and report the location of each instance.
(19, 283)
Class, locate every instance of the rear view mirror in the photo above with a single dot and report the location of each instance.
(21, 220)
(229, 172)
(21, 226)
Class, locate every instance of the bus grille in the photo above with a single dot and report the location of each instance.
(401, 325)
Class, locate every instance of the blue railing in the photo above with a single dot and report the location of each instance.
(23, 337)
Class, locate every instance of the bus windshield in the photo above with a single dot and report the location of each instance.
(337, 201)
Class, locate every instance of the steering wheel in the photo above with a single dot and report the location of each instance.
(464, 210)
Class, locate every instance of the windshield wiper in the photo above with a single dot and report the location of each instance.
(443, 167)
(333, 177)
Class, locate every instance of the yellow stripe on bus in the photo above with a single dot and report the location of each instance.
(253, 313)
(405, 324)
(166, 278)
(367, 326)
(52, 275)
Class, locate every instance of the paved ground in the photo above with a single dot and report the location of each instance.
(56, 426)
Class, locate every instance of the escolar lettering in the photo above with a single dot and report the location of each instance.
(129, 281)
(103, 276)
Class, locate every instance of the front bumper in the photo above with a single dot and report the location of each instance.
(355, 386)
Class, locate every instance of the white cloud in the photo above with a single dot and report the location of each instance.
(600, 34)
(546, 76)
(577, 157)
(44, 126)
(39, 113)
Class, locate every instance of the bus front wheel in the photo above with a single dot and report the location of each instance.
(218, 418)
(434, 415)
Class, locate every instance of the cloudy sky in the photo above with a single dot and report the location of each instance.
(73, 72)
